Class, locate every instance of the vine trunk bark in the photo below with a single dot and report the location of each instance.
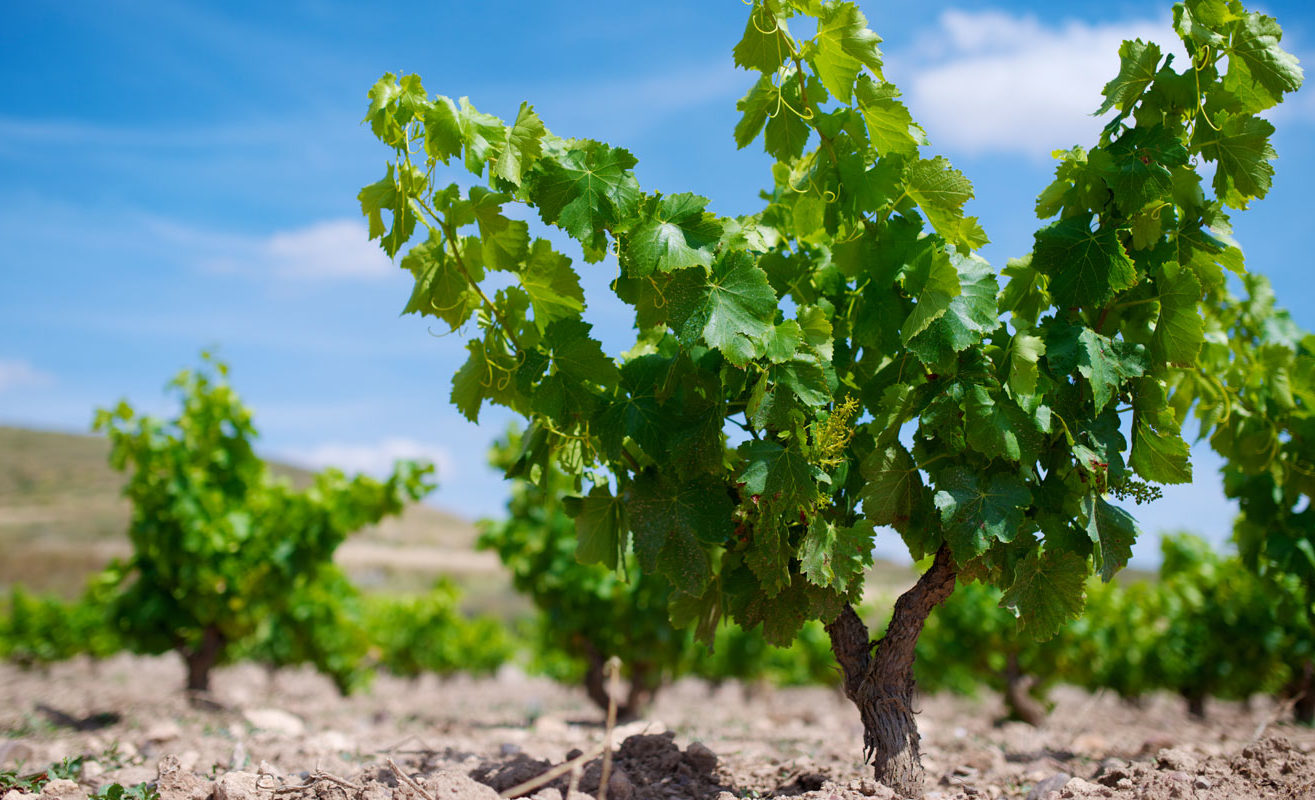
(1302, 690)
(879, 677)
(1019, 701)
(643, 686)
(203, 658)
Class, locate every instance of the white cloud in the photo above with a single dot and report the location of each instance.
(19, 374)
(993, 82)
(373, 459)
(327, 250)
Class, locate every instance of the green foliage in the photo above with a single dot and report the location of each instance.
(587, 612)
(428, 633)
(222, 550)
(42, 630)
(1208, 627)
(855, 286)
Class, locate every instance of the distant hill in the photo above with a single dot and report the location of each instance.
(62, 518)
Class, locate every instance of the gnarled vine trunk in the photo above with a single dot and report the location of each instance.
(879, 680)
(643, 686)
(1019, 701)
(202, 658)
(1302, 690)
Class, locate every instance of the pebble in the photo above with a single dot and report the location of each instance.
(1201, 782)
(1052, 784)
(275, 720)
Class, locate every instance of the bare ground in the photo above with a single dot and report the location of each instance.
(291, 736)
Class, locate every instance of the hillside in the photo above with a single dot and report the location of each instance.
(62, 517)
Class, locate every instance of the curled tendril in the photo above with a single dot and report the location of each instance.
(444, 309)
(1155, 212)
(661, 301)
(1196, 75)
(829, 196)
(753, 19)
(1223, 395)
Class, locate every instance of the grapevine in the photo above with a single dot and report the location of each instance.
(705, 449)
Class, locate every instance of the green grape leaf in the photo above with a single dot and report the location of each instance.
(1024, 352)
(674, 233)
(1160, 456)
(1112, 531)
(941, 191)
(834, 556)
(805, 379)
(842, 47)
(585, 188)
(1048, 591)
(976, 512)
(600, 526)
(970, 313)
(1179, 331)
(786, 132)
(766, 42)
(669, 522)
(484, 376)
(1239, 144)
(1106, 363)
(440, 288)
(934, 282)
(483, 135)
(1085, 267)
(780, 476)
(893, 489)
(1138, 63)
(890, 125)
(442, 131)
(386, 194)
(523, 146)
(578, 356)
(756, 105)
(732, 309)
(997, 428)
(552, 286)
(1255, 59)
(703, 612)
(504, 241)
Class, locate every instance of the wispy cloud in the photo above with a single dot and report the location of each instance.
(375, 459)
(15, 373)
(335, 249)
(995, 82)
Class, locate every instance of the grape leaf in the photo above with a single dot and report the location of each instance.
(1138, 62)
(523, 145)
(933, 281)
(585, 188)
(440, 288)
(600, 525)
(505, 241)
(552, 286)
(781, 476)
(976, 512)
(765, 43)
(1048, 591)
(834, 556)
(892, 489)
(1024, 352)
(941, 191)
(674, 232)
(890, 125)
(1255, 59)
(1112, 531)
(669, 522)
(1085, 267)
(732, 309)
(971, 313)
(843, 46)
(1179, 331)
(1240, 146)
(482, 134)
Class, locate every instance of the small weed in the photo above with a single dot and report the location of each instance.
(116, 791)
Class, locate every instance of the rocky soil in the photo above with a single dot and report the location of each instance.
(290, 737)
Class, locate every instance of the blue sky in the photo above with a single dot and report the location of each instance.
(179, 176)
